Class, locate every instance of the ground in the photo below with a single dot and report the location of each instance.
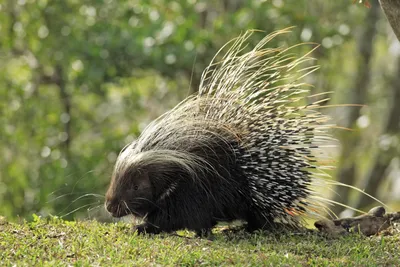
(54, 242)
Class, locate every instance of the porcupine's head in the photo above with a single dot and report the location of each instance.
(140, 180)
(130, 190)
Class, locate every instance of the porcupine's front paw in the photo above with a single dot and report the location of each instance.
(145, 228)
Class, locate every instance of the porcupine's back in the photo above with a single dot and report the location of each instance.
(250, 112)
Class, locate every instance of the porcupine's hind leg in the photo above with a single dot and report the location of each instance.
(205, 233)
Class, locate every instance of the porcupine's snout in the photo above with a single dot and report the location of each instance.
(112, 207)
(109, 207)
(112, 204)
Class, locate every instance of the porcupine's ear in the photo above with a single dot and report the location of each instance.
(164, 179)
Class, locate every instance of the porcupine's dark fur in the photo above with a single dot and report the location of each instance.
(243, 148)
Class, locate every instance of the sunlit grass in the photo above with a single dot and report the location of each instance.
(88, 243)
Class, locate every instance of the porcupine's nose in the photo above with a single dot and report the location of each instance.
(111, 207)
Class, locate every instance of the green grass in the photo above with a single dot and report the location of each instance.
(53, 242)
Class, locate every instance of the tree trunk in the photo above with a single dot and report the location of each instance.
(66, 103)
(376, 175)
(391, 8)
(350, 139)
(383, 158)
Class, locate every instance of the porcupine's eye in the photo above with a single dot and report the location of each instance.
(135, 187)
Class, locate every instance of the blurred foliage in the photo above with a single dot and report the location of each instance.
(80, 79)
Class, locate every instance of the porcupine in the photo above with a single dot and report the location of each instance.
(245, 147)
